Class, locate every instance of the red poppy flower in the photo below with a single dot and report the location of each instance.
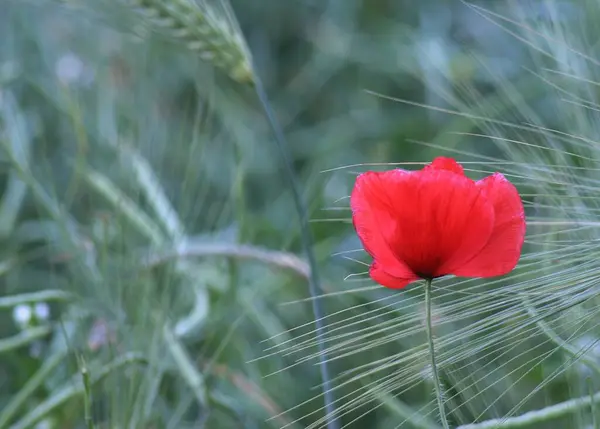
(436, 221)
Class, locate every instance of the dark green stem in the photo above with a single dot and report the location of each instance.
(307, 242)
(87, 394)
(436, 378)
(87, 391)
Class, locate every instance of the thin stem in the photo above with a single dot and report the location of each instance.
(87, 394)
(72, 390)
(531, 418)
(562, 344)
(307, 242)
(436, 378)
(32, 297)
(186, 367)
(595, 422)
(196, 248)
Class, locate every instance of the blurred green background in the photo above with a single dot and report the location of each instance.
(150, 246)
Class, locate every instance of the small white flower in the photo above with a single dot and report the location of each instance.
(69, 68)
(22, 314)
(42, 310)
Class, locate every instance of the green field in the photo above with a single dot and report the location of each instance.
(156, 271)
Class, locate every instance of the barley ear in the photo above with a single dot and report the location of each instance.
(216, 39)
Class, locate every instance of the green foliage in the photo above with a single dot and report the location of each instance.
(151, 265)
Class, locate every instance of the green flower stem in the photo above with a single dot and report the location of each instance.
(436, 378)
(538, 416)
(71, 390)
(87, 394)
(314, 283)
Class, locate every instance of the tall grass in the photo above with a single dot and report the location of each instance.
(142, 202)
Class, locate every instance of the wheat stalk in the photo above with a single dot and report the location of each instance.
(216, 40)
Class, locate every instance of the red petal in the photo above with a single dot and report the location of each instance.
(424, 223)
(502, 252)
(378, 274)
(448, 164)
(370, 213)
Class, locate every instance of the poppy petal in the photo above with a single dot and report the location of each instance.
(444, 163)
(501, 254)
(422, 223)
(443, 221)
(379, 275)
(369, 212)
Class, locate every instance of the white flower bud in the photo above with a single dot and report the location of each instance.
(42, 310)
(22, 314)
